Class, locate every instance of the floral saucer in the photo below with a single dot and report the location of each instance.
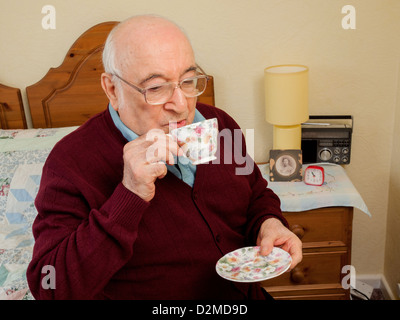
(248, 265)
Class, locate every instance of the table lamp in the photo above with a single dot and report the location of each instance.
(286, 103)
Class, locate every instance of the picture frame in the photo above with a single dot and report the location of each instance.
(286, 165)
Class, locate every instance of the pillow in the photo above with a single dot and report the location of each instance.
(23, 153)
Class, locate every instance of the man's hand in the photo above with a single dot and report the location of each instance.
(274, 234)
(144, 162)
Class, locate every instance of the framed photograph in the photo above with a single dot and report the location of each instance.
(285, 165)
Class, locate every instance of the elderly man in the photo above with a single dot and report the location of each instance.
(115, 224)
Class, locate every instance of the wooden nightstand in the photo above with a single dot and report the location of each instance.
(322, 218)
(326, 236)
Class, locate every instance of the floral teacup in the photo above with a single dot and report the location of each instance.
(198, 140)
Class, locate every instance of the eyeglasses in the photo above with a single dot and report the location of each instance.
(161, 93)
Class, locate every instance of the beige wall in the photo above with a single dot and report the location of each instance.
(351, 72)
(392, 250)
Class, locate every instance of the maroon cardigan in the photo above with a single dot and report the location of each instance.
(107, 243)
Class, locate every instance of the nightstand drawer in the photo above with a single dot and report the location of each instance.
(326, 224)
(326, 237)
(315, 268)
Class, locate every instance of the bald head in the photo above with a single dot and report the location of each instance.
(139, 36)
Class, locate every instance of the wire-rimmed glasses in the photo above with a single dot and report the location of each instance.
(161, 93)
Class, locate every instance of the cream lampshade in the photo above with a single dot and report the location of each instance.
(286, 103)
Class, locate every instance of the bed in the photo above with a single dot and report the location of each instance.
(12, 113)
(62, 100)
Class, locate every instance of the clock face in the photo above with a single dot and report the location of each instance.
(314, 175)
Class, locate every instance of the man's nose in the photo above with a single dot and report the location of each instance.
(178, 101)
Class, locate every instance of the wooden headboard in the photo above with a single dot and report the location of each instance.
(12, 115)
(71, 93)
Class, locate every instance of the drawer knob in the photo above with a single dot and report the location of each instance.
(297, 275)
(298, 230)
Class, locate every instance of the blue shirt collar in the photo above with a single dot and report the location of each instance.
(126, 132)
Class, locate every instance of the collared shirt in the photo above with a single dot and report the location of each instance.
(183, 169)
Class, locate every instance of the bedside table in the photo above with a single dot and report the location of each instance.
(322, 218)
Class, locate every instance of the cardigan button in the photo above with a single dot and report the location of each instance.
(218, 238)
(195, 196)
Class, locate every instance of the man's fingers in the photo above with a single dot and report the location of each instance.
(295, 251)
(163, 147)
(145, 160)
(266, 246)
(293, 246)
(159, 169)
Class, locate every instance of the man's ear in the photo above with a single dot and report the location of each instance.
(110, 89)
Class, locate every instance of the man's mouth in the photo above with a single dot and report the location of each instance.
(177, 124)
(181, 123)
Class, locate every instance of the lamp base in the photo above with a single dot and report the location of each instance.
(287, 137)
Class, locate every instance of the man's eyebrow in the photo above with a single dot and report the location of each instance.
(158, 75)
(150, 77)
(193, 68)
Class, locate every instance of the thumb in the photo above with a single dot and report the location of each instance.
(266, 245)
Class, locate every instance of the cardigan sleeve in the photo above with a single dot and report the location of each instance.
(85, 246)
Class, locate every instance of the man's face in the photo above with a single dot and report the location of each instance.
(164, 57)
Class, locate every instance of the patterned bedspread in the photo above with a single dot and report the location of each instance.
(22, 156)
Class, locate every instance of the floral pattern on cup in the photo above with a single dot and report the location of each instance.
(248, 265)
(198, 140)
